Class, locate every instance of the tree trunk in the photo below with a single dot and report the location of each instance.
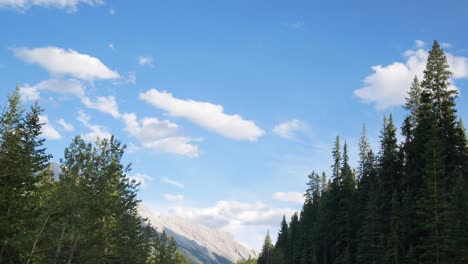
(31, 254)
(59, 246)
(70, 258)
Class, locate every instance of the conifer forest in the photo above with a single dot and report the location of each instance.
(406, 202)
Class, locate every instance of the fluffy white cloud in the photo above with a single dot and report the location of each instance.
(145, 60)
(105, 104)
(68, 5)
(140, 178)
(172, 182)
(231, 215)
(48, 131)
(159, 135)
(65, 126)
(204, 114)
(388, 85)
(287, 129)
(173, 197)
(58, 61)
(293, 197)
(95, 132)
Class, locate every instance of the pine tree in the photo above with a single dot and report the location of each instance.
(24, 163)
(282, 242)
(345, 211)
(265, 256)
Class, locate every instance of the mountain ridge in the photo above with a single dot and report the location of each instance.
(199, 243)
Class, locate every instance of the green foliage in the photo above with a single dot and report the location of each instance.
(89, 215)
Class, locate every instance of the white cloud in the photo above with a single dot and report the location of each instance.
(74, 87)
(132, 148)
(140, 178)
(419, 43)
(173, 197)
(131, 77)
(287, 129)
(95, 132)
(232, 215)
(174, 145)
(111, 46)
(204, 114)
(112, 11)
(105, 104)
(145, 60)
(58, 61)
(48, 131)
(160, 135)
(29, 93)
(68, 5)
(172, 182)
(293, 197)
(65, 126)
(70, 86)
(388, 85)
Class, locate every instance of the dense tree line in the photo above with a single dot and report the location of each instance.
(407, 203)
(88, 215)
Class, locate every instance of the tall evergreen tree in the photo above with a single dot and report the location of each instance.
(265, 256)
(23, 163)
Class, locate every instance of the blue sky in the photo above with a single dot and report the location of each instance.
(226, 106)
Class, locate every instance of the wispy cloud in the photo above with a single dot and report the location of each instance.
(419, 43)
(95, 131)
(296, 24)
(293, 197)
(173, 197)
(73, 87)
(172, 182)
(145, 60)
(140, 178)
(207, 115)
(288, 129)
(67, 5)
(65, 126)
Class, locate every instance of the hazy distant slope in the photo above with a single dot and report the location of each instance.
(199, 243)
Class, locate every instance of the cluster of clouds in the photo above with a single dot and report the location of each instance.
(388, 85)
(71, 72)
(232, 215)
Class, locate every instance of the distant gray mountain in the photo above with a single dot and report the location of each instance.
(199, 243)
(56, 170)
